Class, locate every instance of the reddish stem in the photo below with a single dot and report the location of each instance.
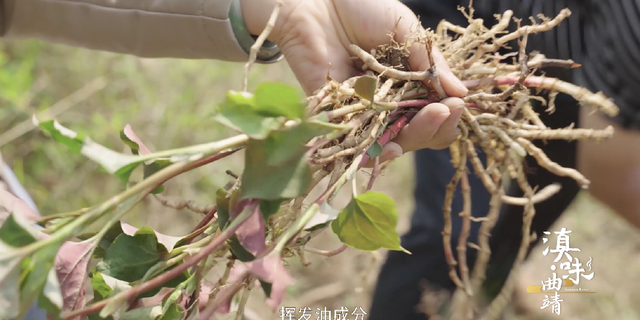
(414, 103)
(224, 297)
(374, 173)
(210, 215)
(204, 161)
(163, 278)
(389, 134)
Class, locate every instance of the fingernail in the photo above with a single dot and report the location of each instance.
(460, 85)
(439, 118)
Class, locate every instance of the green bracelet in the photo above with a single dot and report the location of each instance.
(269, 53)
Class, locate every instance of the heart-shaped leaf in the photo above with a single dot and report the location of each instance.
(129, 257)
(368, 223)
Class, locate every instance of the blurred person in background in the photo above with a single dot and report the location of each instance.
(603, 36)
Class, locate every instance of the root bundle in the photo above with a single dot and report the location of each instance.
(499, 120)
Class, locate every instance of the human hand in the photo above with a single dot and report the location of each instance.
(314, 34)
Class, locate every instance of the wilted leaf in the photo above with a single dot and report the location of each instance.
(72, 263)
(137, 147)
(375, 150)
(13, 204)
(131, 139)
(269, 269)
(129, 257)
(325, 214)
(251, 233)
(279, 100)
(368, 223)
(239, 112)
(366, 86)
(275, 168)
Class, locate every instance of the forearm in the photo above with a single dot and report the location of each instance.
(191, 29)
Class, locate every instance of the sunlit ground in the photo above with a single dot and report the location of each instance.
(168, 103)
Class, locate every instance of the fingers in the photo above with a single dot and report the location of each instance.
(434, 127)
(450, 83)
(448, 130)
(420, 131)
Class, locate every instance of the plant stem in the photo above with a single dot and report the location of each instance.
(50, 217)
(205, 148)
(73, 228)
(144, 287)
(297, 227)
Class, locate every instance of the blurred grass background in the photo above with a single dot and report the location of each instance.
(168, 103)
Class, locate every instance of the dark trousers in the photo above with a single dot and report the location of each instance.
(401, 280)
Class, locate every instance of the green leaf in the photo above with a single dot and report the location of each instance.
(174, 312)
(239, 112)
(17, 232)
(146, 313)
(110, 161)
(375, 150)
(38, 271)
(9, 282)
(104, 287)
(129, 257)
(51, 296)
(177, 292)
(275, 168)
(365, 87)
(222, 204)
(368, 223)
(278, 99)
(73, 140)
(101, 290)
(239, 251)
(270, 207)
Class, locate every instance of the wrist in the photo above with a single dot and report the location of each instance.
(269, 52)
(256, 14)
